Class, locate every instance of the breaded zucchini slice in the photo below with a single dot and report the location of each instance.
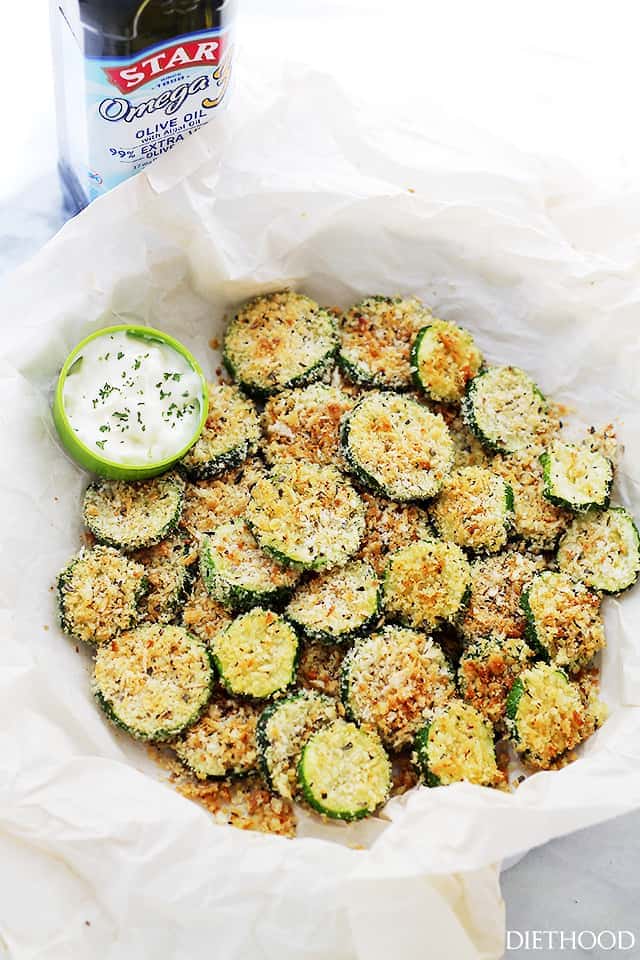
(487, 670)
(396, 446)
(344, 772)
(223, 741)
(319, 667)
(306, 516)
(208, 503)
(304, 424)
(256, 655)
(456, 744)
(153, 681)
(202, 616)
(505, 409)
(546, 716)
(375, 340)
(444, 358)
(237, 573)
(563, 620)
(602, 550)
(337, 606)
(576, 477)
(474, 510)
(494, 606)
(283, 729)
(279, 341)
(131, 515)
(392, 680)
(99, 594)
(427, 584)
(169, 567)
(389, 526)
(535, 520)
(230, 435)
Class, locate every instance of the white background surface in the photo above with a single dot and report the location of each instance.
(558, 80)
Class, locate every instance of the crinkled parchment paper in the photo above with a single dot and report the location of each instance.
(99, 857)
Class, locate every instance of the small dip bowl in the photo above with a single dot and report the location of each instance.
(106, 466)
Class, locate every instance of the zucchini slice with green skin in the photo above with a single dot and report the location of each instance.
(131, 515)
(237, 573)
(306, 516)
(497, 582)
(564, 625)
(505, 409)
(487, 670)
(338, 606)
(304, 424)
(154, 681)
(279, 341)
(427, 584)
(393, 680)
(474, 510)
(344, 772)
(169, 568)
(99, 594)
(375, 340)
(456, 744)
(396, 446)
(283, 729)
(223, 742)
(546, 716)
(444, 358)
(256, 655)
(576, 478)
(602, 550)
(231, 434)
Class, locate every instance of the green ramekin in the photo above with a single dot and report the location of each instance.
(100, 465)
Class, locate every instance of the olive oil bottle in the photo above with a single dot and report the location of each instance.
(133, 79)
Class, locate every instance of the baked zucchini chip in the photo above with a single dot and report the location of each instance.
(344, 772)
(237, 573)
(474, 510)
(427, 584)
(389, 526)
(169, 567)
(563, 620)
(208, 503)
(505, 409)
(256, 655)
(306, 516)
(546, 716)
(337, 606)
(392, 680)
(279, 341)
(487, 670)
(230, 435)
(536, 520)
(576, 477)
(396, 446)
(602, 550)
(223, 741)
(494, 605)
(283, 729)
(304, 424)
(202, 616)
(375, 340)
(456, 744)
(444, 358)
(99, 594)
(153, 681)
(131, 515)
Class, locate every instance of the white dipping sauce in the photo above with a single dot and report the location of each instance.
(132, 400)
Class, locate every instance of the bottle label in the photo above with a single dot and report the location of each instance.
(139, 108)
